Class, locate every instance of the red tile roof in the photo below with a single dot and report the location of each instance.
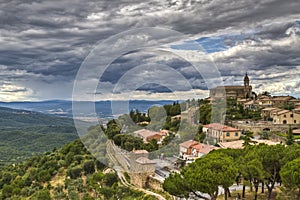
(188, 144)
(202, 148)
(217, 126)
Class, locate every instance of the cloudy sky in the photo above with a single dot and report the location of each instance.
(132, 49)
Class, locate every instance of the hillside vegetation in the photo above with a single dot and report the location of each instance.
(67, 173)
(23, 133)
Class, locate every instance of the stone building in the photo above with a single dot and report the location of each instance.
(233, 91)
(286, 117)
(141, 167)
(221, 133)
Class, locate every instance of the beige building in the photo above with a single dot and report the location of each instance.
(265, 101)
(286, 117)
(267, 113)
(276, 101)
(280, 101)
(232, 91)
(221, 133)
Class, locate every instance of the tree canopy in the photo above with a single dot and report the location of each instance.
(205, 175)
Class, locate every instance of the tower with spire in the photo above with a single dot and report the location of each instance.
(247, 87)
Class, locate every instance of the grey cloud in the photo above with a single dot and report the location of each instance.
(15, 91)
(50, 39)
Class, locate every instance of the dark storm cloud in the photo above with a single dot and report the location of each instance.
(48, 40)
(135, 59)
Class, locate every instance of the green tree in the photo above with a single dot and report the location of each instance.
(205, 175)
(251, 168)
(110, 178)
(7, 191)
(265, 134)
(290, 137)
(271, 157)
(247, 138)
(205, 113)
(44, 176)
(89, 167)
(74, 172)
(112, 129)
(200, 136)
(151, 146)
(290, 175)
(175, 184)
(43, 194)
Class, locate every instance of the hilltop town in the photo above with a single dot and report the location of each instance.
(234, 144)
(251, 119)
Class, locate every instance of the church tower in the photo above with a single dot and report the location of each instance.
(247, 87)
(246, 80)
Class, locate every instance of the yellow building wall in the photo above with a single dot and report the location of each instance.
(287, 118)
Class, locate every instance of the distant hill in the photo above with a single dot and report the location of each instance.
(23, 133)
(64, 108)
(23, 118)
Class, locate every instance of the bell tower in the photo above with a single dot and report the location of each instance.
(246, 81)
(247, 87)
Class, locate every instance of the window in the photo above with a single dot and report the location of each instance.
(284, 121)
(236, 134)
(228, 134)
(295, 122)
(284, 116)
(291, 115)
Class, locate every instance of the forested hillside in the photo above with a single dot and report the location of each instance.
(67, 173)
(13, 118)
(23, 133)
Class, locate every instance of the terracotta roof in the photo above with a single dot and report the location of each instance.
(189, 143)
(217, 126)
(202, 148)
(268, 109)
(249, 102)
(276, 110)
(282, 112)
(144, 160)
(295, 100)
(242, 100)
(163, 132)
(145, 133)
(296, 131)
(140, 151)
(282, 98)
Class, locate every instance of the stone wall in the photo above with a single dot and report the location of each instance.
(139, 179)
(154, 183)
(258, 127)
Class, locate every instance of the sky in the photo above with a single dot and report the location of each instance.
(132, 49)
